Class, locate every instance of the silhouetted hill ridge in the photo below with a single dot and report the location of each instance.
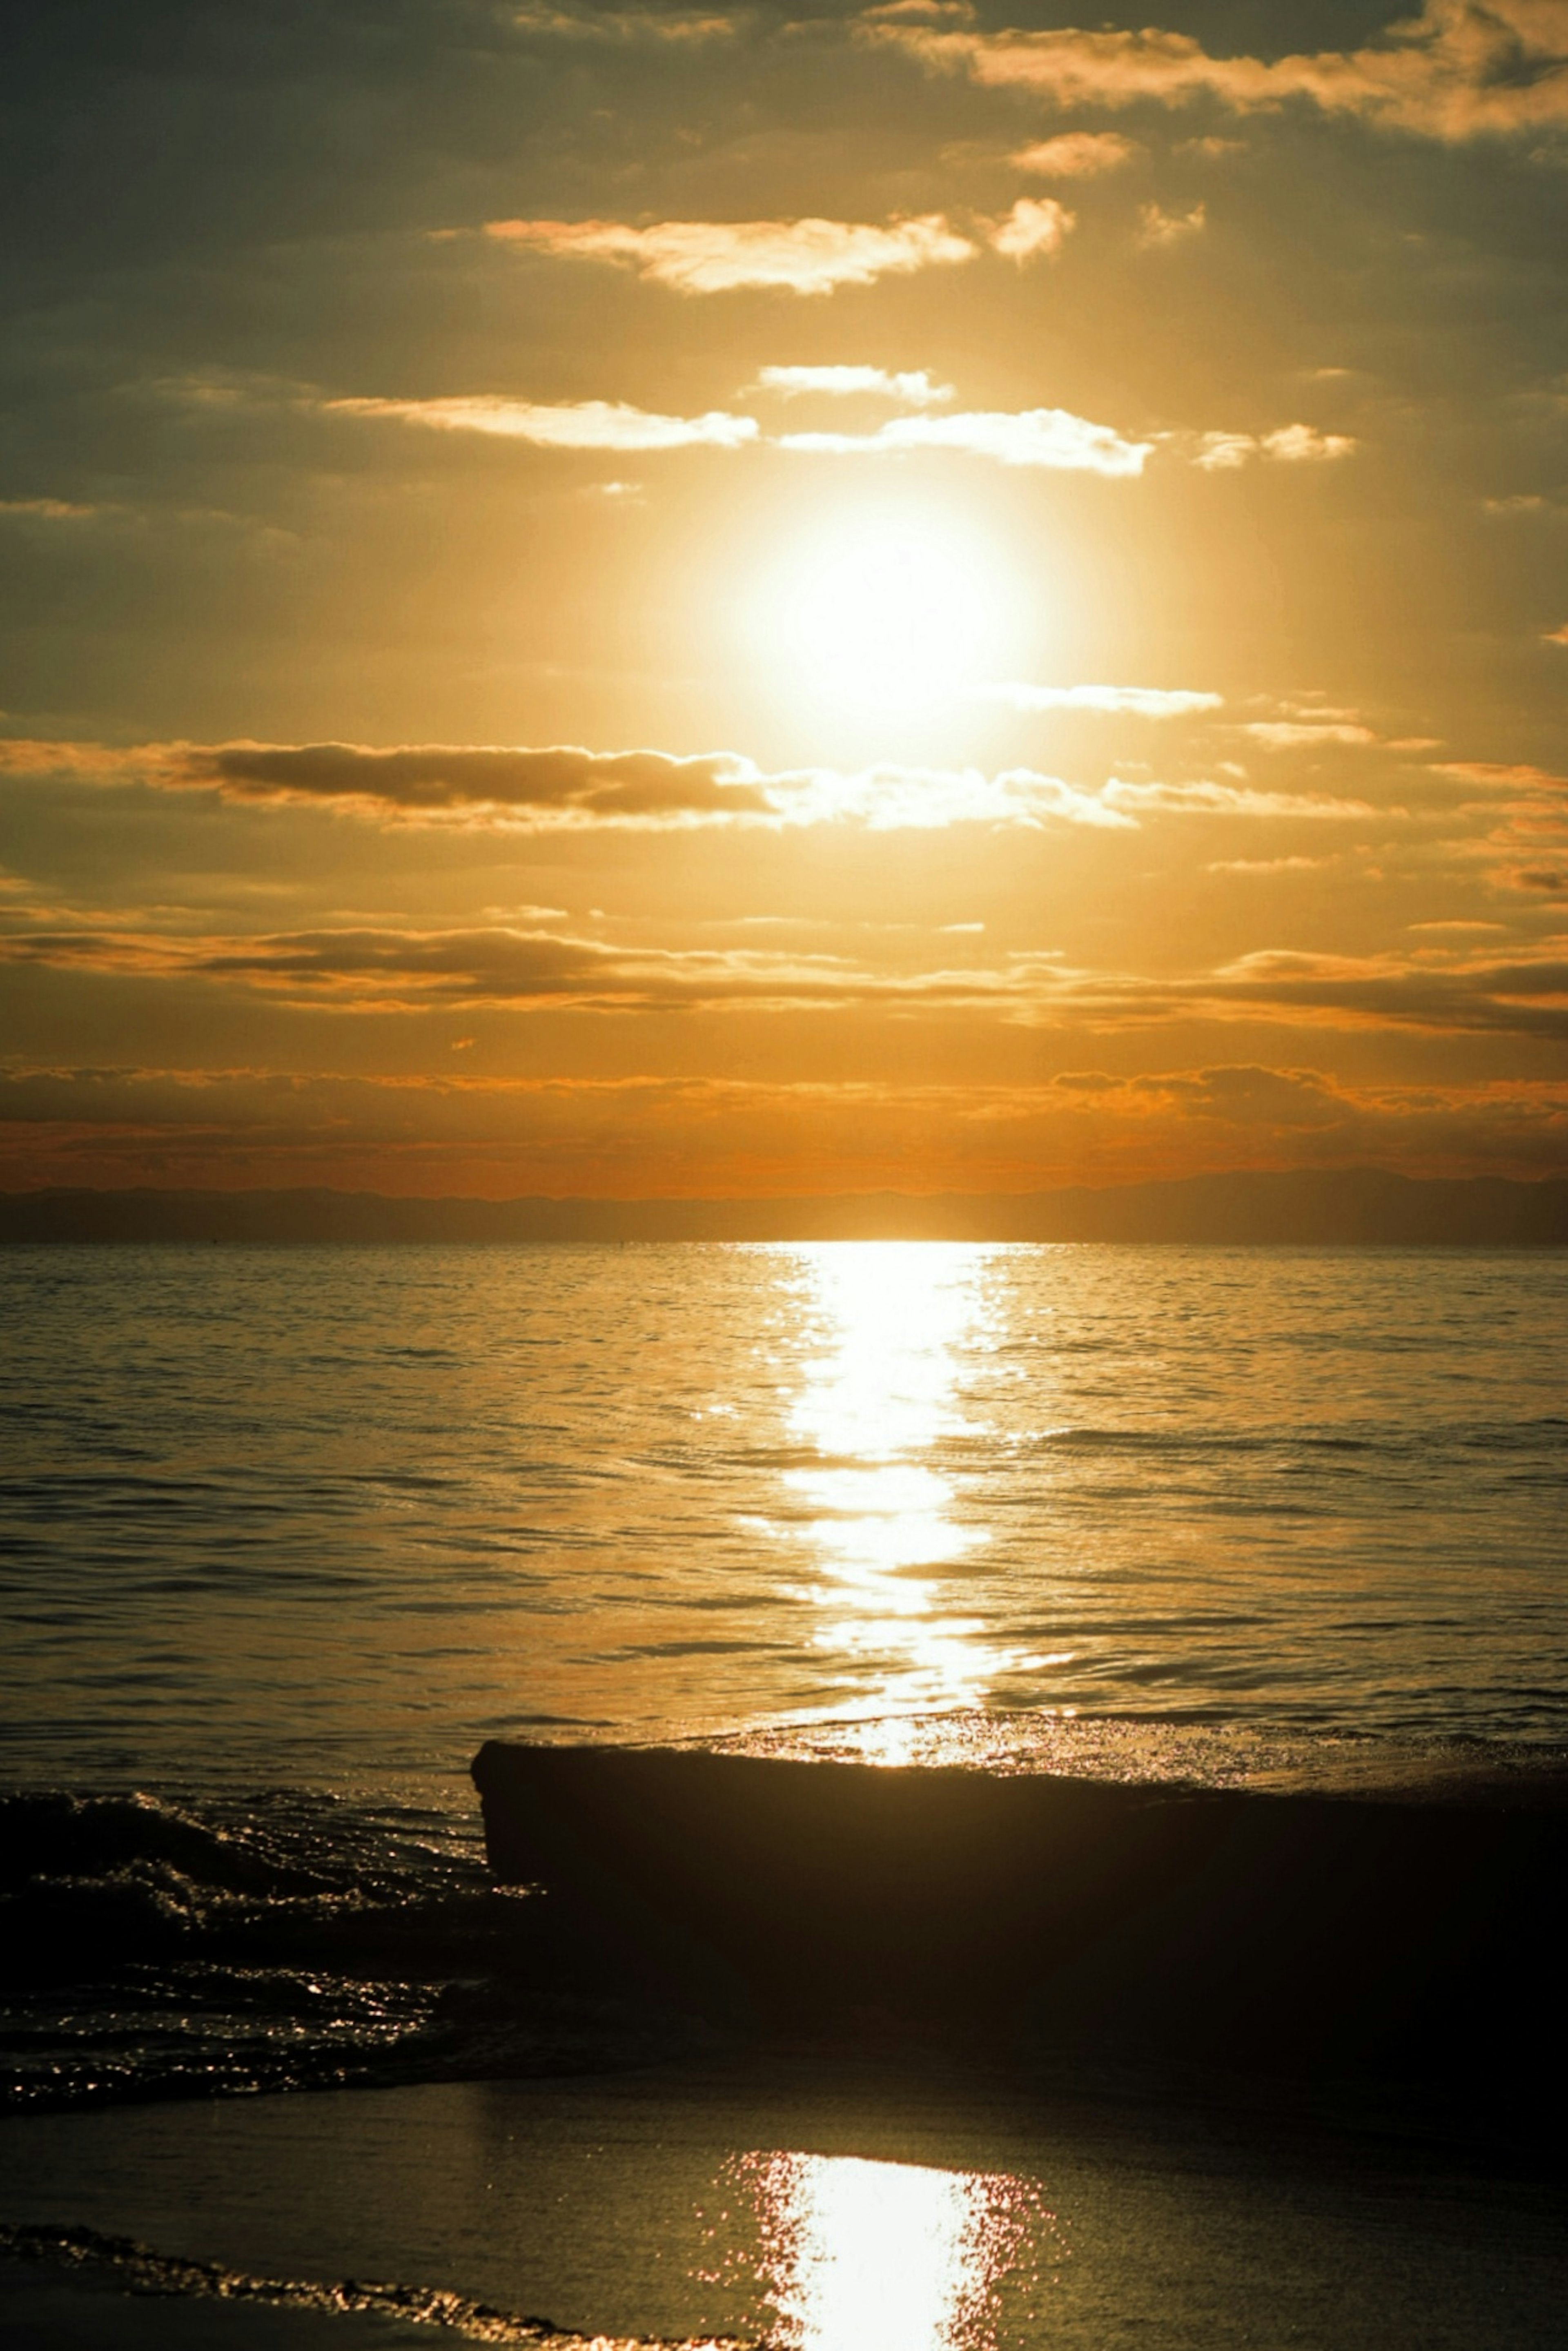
(1338, 1206)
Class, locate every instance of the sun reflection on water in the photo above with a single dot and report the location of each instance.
(853, 2255)
(880, 1505)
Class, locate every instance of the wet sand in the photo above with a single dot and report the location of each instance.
(870, 2204)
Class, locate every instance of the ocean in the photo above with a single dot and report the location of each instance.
(286, 1533)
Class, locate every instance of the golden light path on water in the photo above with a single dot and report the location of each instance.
(848, 2254)
(882, 1408)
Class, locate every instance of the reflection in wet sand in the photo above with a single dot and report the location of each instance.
(853, 2255)
(882, 1406)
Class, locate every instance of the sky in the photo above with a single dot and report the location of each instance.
(706, 600)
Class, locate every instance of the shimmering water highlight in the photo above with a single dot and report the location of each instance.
(326, 1515)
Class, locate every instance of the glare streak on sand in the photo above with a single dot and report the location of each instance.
(142, 2271)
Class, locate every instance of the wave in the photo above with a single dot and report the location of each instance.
(141, 2270)
(151, 1950)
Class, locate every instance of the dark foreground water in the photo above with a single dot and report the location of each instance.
(284, 1534)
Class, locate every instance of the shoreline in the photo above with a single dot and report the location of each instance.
(647, 2207)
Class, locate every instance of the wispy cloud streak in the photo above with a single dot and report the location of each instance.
(568, 424)
(1119, 701)
(794, 256)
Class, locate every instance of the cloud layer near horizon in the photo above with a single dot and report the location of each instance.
(663, 1135)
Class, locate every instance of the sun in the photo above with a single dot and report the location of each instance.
(891, 609)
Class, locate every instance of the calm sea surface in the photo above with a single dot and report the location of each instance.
(325, 1516)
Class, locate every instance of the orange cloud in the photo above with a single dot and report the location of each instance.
(619, 26)
(1076, 156)
(1458, 71)
(1288, 445)
(1298, 735)
(1118, 701)
(428, 779)
(606, 785)
(567, 787)
(676, 1136)
(48, 509)
(1048, 437)
(500, 967)
(570, 424)
(495, 965)
(912, 387)
(1158, 229)
(1035, 226)
(1230, 799)
(794, 256)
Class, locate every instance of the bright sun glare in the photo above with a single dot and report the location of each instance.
(878, 1505)
(857, 2255)
(894, 609)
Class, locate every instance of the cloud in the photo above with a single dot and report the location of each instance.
(1133, 701)
(1076, 156)
(1303, 444)
(888, 799)
(1494, 775)
(563, 781)
(48, 509)
(1158, 229)
(1459, 71)
(621, 27)
(921, 12)
(467, 969)
(1207, 799)
(1288, 445)
(1296, 734)
(643, 787)
(1242, 1091)
(385, 967)
(565, 787)
(1035, 226)
(462, 1130)
(1222, 453)
(568, 424)
(795, 256)
(912, 387)
(1295, 1117)
(1556, 636)
(1525, 996)
(1048, 437)
(1268, 864)
(1524, 809)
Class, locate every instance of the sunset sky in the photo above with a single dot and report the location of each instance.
(707, 599)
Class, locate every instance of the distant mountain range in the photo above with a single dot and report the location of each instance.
(1341, 1206)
